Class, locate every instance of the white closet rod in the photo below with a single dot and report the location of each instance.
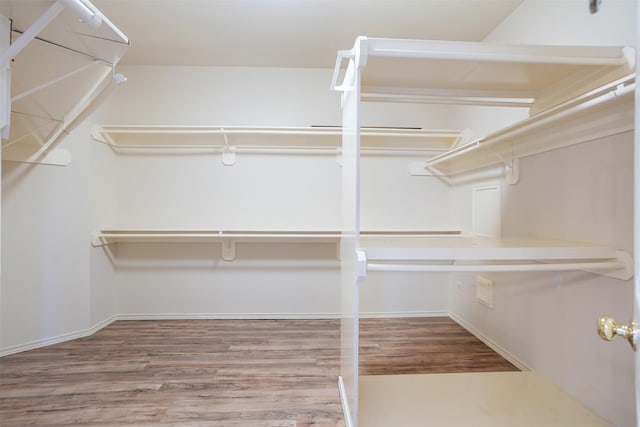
(589, 100)
(454, 268)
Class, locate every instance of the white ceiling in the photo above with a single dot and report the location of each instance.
(287, 33)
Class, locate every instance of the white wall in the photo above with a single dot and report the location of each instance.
(45, 252)
(56, 286)
(582, 193)
(260, 191)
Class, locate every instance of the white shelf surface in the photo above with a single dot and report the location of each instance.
(228, 238)
(496, 399)
(146, 235)
(123, 137)
(466, 254)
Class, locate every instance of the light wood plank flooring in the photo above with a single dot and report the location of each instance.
(268, 373)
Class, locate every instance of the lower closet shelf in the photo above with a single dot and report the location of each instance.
(492, 399)
(465, 254)
(227, 238)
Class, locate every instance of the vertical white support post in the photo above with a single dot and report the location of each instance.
(350, 237)
(5, 114)
(5, 79)
(636, 217)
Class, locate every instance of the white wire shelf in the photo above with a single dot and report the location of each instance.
(228, 238)
(149, 137)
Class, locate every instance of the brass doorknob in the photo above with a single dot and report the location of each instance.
(608, 329)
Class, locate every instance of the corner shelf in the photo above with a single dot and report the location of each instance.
(606, 111)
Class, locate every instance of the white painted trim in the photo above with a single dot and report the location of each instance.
(32, 345)
(227, 316)
(291, 316)
(492, 344)
(345, 403)
(392, 314)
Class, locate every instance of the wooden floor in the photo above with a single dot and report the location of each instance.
(221, 372)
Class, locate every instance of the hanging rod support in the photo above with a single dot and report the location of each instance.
(228, 152)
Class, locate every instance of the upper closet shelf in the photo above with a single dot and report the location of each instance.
(481, 73)
(62, 58)
(232, 138)
(587, 91)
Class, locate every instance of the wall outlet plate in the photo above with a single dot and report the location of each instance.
(484, 291)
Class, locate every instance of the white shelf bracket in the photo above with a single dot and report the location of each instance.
(228, 249)
(511, 168)
(228, 152)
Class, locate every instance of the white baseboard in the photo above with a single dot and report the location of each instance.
(275, 316)
(492, 344)
(391, 314)
(227, 316)
(32, 345)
